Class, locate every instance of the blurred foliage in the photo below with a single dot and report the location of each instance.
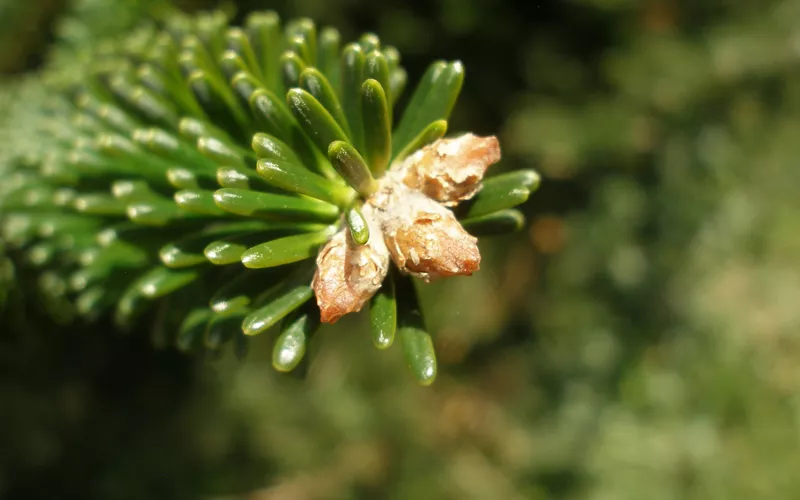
(640, 341)
(24, 33)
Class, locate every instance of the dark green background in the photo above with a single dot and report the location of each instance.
(638, 340)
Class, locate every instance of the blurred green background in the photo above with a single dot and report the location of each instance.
(640, 340)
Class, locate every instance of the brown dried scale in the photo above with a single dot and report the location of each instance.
(450, 170)
(349, 274)
(423, 237)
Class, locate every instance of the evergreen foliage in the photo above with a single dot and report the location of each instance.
(174, 155)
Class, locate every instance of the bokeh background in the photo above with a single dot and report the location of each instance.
(641, 339)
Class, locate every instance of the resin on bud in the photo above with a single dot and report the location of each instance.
(450, 170)
(409, 221)
(424, 238)
(348, 274)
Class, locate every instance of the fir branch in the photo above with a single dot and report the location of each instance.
(185, 151)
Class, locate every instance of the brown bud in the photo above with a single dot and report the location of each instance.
(348, 274)
(424, 238)
(450, 170)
